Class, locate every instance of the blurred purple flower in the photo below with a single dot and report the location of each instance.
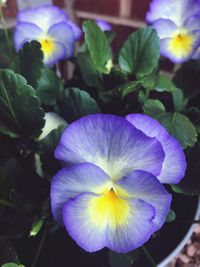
(178, 25)
(109, 193)
(104, 25)
(51, 27)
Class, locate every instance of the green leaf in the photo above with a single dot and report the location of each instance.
(164, 84)
(153, 108)
(187, 78)
(20, 111)
(36, 227)
(171, 216)
(49, 86)
(180, 127)
(140, 53)
(48, 145)
(97, 44)
(180, 190)
(176, 123)
(123, 260)
(178, 99)
(91, 76)
(4, 50)
(29, 62)
(75, 103)
(149, 82)
(10, 265)
(129, 87)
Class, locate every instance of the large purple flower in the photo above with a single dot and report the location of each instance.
(178, 25)
(109, 193)
(50, 26)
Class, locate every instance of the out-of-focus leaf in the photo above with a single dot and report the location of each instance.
(171, 216)
(36, 227)
(29, 62)
(49, 86)
(91, 76)
(5, 56)
(140, 53)
(7, 252)
(187, 78)
(125, 260)
(164, 84)
(179, 101)
(97, 45)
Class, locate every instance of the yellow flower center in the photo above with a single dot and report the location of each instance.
(109, 209)
(47, 46)
(181, 44)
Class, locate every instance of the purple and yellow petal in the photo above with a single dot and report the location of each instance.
(111, 143)
(53, 51)
(63, 34)
(174, 165)
(108, 221)
(177, 23)
(51, 27)
(175, 10)
(70, 182)
(114, 200)
(145, 186)
(79, 222)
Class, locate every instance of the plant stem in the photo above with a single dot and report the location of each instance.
(7, 203)
(39, 248)
(149, 257)
(3, 21)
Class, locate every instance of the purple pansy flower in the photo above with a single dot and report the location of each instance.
(178, 25)
(104, 25)
(50, 26)
(109, 192)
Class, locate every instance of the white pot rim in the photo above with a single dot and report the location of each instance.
(174, 253)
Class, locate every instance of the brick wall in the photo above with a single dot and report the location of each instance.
(124, 15)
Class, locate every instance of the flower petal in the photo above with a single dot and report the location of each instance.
(58, 53)
(52, 121)
(176, 10)
(111, 143)
(104, 25)
(181, 52)
(193, 23)
(44, 16)
(174, 165)
(165, 28)
(80, 178)
(63, 34)
(77, 31)
(145, 186)
(95, 223)
(26, 32)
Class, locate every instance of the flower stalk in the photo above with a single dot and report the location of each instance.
(5, 28)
